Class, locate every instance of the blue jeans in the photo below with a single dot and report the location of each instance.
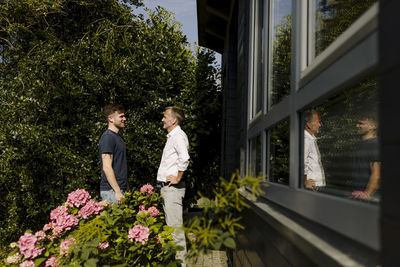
(109, 195)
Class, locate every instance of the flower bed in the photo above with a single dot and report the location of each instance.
(87, 232)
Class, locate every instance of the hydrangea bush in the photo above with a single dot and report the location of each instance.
(87, 232)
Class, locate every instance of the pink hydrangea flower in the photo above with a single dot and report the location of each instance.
(57, 212)
(52, 262)
(78, 197)
(147, 188)
(92, 207)
(153, 211)
(65, 245)
(103, 245)
(67, 221)
(26, 241)
(40, 235)
(27, 246)
(27, 264)
(49, 226)
(33, 253)
(57, 231)
(14, 259)
(139, 233)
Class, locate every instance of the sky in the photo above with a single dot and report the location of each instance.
(185, 13)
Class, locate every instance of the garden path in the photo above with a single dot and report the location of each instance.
(216, 258)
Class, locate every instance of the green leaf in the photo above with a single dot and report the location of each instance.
(91, 263)
(39, 261)
(230, 243)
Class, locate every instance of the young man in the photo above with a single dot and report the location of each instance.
(174, 161)
(366, 162)
(314, 176)
(114, 170)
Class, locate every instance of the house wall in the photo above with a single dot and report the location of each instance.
(389, 70)
(231, 109)
(280, 228)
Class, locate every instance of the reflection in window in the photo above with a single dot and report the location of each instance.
(281, 25)
(344, 158)
(334, 17)
(255, 157)
(259, 59)
(279, 153)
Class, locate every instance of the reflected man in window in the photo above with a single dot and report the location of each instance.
(366, 161)
(314, 177)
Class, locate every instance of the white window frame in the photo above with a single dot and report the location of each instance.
(253, 68)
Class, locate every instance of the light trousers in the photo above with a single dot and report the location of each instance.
(173, 208)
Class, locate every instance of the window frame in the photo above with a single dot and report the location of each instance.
(253, 69)
(352, 56)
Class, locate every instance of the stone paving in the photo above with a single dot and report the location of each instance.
(216, 258)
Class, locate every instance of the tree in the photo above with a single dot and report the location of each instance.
(204, 103)
(333, 17)
(61, 62)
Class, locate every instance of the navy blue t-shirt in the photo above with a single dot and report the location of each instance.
(112, 143)
(366, 153)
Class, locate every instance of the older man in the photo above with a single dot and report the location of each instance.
(174, 161)
(314, 177)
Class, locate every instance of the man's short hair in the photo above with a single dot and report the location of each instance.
(308, 116)
(372, 117)
(177, 113)
(111, 108)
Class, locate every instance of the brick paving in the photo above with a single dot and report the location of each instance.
(216, 258)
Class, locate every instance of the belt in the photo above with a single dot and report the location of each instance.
(181, 184)
(162, 183)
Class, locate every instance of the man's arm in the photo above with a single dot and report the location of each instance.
(175, 179)
(110, 175)
(373, 183)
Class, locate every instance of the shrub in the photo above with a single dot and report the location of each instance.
(87, 232)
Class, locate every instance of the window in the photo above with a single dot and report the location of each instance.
(341, 154)
(281, 26)
(259, 66)
(332, 18)
(279, 153)
(340, 39)
(255, 156)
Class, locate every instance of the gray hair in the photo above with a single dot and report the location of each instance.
(177, 113)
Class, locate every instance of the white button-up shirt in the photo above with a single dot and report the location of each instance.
(175, 155)
(312, 160)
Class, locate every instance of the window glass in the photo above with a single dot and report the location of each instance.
(341, 154)
(259, 56)
(279, 153)
(332, 17)
(281, 25)
(255, 167)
